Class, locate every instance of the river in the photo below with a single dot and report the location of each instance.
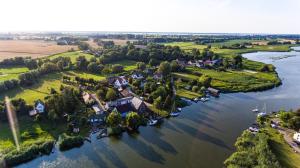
(202, 136)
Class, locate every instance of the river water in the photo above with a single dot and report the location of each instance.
(202, 136)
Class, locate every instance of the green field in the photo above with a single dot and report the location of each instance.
(8, 73)
(127, 64)
(36, 91)
(73, 55)
(85, 75)
(284, 153)
(238, 81)
(185, 76)
(187, 94)
(188, 46)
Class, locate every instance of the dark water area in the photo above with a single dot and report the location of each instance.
(202, 136)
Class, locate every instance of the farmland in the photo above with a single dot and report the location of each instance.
(30, 48)
(73, 55)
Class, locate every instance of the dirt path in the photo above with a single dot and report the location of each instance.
(287, 134)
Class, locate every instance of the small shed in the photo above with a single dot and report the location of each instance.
(213, 92)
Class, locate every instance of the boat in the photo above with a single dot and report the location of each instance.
(196, 100)
(264, 111)
(174, 114)
(253, 129)
(256, 110)
(204, 99)
(179, 109)
(152, 122)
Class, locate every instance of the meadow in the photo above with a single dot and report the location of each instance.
(8, 73)
(73, 55)
(31, 48)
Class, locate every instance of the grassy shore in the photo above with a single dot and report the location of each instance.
(284, 153)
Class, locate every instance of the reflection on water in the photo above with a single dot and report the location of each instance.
(203, 136)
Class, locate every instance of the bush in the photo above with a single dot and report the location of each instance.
(16, 157)
(67, 142)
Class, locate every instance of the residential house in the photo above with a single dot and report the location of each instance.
(296, 137)
(118, 82)
(126, 92)
(133, 104)
(158, 76)
(137, 75)
(118, 102)
(88, 98)
(38, 109)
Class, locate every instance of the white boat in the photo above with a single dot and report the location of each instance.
(204, 99)
(264, 111)
(179, 109)
(256, 110)
(196, 100)
(253, 129)
(174, 114)
(152, 122)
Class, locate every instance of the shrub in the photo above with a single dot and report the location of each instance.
(67, 142)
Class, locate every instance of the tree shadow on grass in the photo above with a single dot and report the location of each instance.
(144, 150)
(201, 135)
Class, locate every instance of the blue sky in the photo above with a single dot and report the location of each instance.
(206, 16)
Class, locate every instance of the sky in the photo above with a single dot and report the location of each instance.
(198, 16)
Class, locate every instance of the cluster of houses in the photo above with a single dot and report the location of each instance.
(201, 63)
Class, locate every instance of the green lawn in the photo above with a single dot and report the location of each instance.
(37, 91)
(238, 81)
(185, 76)
(188, 46)
(187, 94)
(284, 153)
(73, 55)
(127, 64)
(85, 75)
(7, 73)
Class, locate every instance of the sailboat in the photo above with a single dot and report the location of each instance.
(264, 111)
(173, 112)
(256, 110)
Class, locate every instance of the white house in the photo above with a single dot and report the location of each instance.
(120, 81)
(137, 76)
(296, 137)
(38, 109)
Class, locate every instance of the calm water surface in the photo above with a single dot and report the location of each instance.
(202, 136)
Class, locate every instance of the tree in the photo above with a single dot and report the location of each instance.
(205, 80)
(93, 67)
(133, 120)
(195, 88)
(111, 94)
(158, 103)
(114, 118)
(83, 46)
(168, 102)
(174, 66)
(117, 68)
(81, 62)
(164, 68)
(196, 53)
(141, 66)
(238, 61)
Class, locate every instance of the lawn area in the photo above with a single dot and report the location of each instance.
(284, 153)
(36, 91)
(187, 94)
(85, 75)
(8, 73)
(35, 131)
(73, 55)
(188, 46)
(185, 76)
(127, 64)
(239, 81)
